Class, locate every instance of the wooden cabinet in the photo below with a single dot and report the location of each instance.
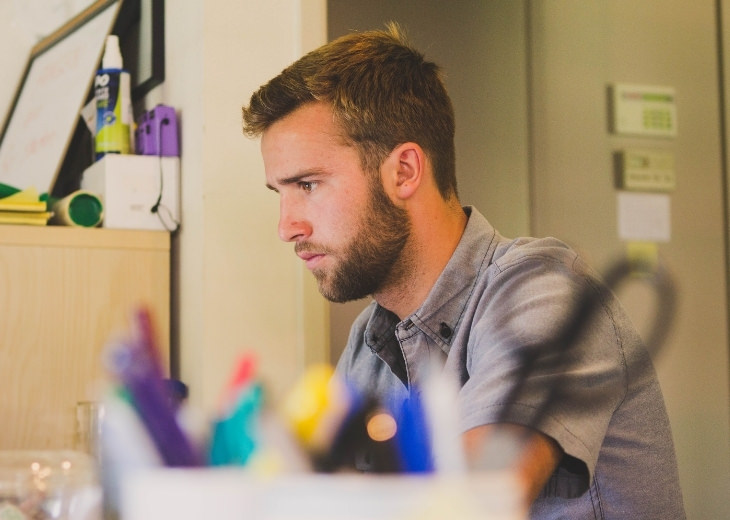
(64, 292)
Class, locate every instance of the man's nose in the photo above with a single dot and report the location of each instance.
(292, 224)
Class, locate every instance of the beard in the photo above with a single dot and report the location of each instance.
(373, 259)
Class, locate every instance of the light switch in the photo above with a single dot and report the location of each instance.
(645, 170)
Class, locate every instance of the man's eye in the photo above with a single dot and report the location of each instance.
(307, 186)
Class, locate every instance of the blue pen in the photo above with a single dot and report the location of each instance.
(413, 437)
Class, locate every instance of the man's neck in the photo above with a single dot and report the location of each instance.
(434, 238)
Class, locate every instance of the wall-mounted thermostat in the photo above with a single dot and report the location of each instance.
(643, 110)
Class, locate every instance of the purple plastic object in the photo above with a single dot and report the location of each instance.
(158, 132)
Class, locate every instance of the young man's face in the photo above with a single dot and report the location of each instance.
(343, 224)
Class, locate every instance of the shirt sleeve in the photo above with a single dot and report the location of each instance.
(519, 374)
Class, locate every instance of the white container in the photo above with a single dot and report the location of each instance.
(131, 186)
(230, 494)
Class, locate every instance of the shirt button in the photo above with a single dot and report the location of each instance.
(445, 330)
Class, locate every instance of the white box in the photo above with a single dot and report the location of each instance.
(129, 187)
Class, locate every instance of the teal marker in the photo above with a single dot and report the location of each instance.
(235, 436)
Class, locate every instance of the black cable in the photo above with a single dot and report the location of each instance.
(157, 206)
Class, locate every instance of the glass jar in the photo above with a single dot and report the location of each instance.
(49, 485)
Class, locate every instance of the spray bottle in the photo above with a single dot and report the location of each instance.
(112, 92)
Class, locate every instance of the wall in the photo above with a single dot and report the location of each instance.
(577, 48)
(236, 287)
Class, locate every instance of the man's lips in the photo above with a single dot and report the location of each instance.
(311, 259)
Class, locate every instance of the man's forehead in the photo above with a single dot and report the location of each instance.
(302, 129)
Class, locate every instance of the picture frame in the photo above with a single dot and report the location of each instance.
(56, 83)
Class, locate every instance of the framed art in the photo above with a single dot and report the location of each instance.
(55, 85)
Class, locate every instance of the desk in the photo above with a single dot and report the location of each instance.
(63, 292)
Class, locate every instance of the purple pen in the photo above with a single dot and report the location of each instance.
(137, 366)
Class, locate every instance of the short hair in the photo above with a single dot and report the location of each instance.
(382, 92)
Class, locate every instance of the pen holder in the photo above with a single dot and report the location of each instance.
(230, 494)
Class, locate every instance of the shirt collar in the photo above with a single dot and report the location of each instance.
(440, 314)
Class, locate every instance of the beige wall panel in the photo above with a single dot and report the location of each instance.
(577, 49)
(236, 287)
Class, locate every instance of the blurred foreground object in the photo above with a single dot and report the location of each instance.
(45, 485)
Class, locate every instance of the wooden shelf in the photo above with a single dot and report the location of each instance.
(63, 236)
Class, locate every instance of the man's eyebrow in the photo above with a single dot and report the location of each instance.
(303, 176)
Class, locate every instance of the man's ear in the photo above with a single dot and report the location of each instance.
(407, 164)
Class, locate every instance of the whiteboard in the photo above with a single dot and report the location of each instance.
(60, 71)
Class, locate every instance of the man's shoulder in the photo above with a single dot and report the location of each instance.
(527, 259)
(511, 251)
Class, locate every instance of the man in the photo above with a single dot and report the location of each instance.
(357, 139)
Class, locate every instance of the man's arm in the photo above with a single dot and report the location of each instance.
(539, 457)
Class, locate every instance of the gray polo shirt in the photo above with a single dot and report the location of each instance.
(498, 300)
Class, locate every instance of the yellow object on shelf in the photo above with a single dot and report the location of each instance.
(38, 218)
(24, 207)
(23, 201)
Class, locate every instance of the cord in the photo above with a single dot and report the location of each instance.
(167, 221)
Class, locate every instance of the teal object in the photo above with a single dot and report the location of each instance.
(235, 437)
